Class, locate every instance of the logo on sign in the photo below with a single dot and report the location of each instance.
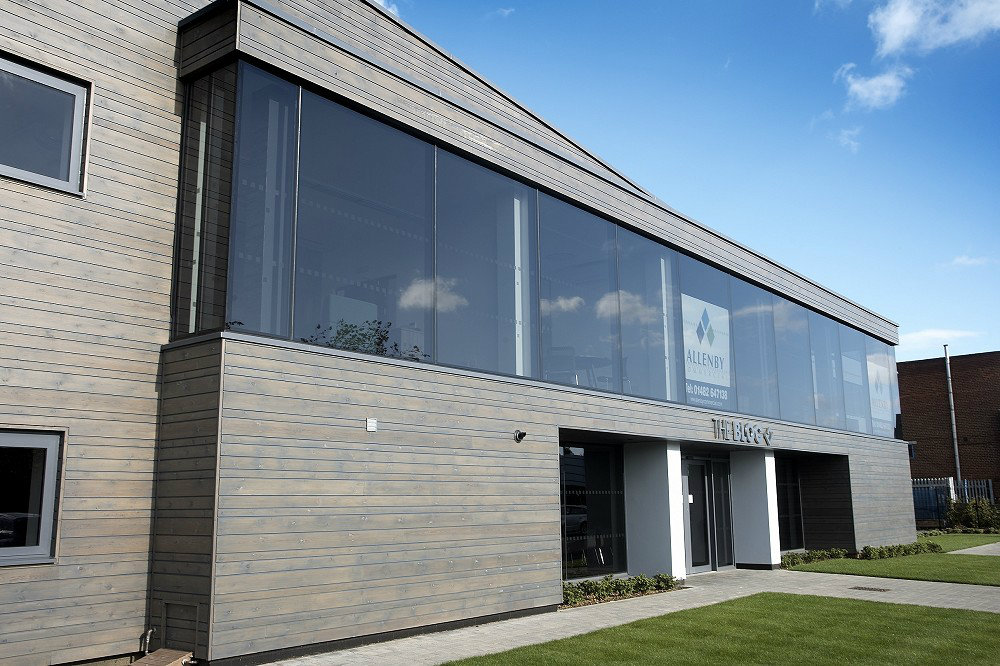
(704, 329)
(745, 432)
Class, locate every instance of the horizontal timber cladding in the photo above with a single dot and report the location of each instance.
(327, 531)
(84, 310)
(300, 38)
(186, 478)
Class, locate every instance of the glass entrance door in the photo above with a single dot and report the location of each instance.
(708, 519)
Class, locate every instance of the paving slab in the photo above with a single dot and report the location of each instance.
(986, 549)
(702, 590)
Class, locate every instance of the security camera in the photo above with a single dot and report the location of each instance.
(519, 435)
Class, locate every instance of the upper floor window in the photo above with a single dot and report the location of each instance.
(41, 127)
(28, 471)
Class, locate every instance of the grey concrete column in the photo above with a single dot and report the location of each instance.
(654, 518)
(755, 509)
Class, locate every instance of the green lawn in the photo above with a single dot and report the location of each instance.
(952, 542)
(774, 628)
(974, 569)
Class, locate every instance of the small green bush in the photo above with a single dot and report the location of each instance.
(789, 560)
(608, 588)
(899, 550)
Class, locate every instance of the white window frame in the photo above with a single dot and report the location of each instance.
(51, 442)
(80, 92)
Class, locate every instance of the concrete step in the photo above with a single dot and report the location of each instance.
(165, 657)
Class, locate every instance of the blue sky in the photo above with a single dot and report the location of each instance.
(855, 142)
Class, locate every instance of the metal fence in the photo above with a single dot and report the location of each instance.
(931, 496)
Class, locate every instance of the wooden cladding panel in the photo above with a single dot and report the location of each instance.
(84, 289)
(327, 531)
(183, 534)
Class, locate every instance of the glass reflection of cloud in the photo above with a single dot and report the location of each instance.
(419, 295)
(561, 304)
(633, 310)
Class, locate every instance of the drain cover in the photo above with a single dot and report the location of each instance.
(871, 589)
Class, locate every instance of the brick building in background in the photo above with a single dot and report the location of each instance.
(923, 395)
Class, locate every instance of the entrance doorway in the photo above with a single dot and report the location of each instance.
(708, 519)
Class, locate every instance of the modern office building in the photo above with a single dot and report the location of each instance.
(923, 393)
(310, 334)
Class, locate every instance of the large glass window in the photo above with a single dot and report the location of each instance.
(364, 277)
(650, 319)
(28, 472)
(894, 395)
(828, 386)
(857, 411)
(708, 354)
(578, 297)
(260, 265)
(486, 277)
(41, 127)
(790, 535)
(753, 350)
(593, 510)
(303, 219)
(795, 378)
(206, 177)
(880, 388)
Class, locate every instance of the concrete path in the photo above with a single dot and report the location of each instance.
(704, 589)
(987, 549)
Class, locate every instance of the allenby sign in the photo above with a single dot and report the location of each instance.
(707, 362)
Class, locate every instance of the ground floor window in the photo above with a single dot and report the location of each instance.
(789, 504)
(593, 510)
(28, 465)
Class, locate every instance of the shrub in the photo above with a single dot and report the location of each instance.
(789, 560)
(607, 588)
(899, 550)
(976, 514)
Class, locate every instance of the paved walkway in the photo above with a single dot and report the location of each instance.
(705, 589)
(988, 549)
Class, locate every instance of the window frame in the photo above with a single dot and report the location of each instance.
(81, 94)
(51, 442)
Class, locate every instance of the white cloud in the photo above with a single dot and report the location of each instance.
(876, 92)
(388, 6)
(419, 295)
(633, 310)
(561, 304)
(848, 138)
(926, 25)
(964, 260)
(502, 12)
(932, 337)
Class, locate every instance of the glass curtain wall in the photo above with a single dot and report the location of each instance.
(753, 350)
(486, 280)
(364, 278)
(578, 297)
(880, 388)
(857, 411)
(260, 253)
(203, 217)
(306, 220)
(794, 361)
(828, 386)
(708, 353)
(648, 299)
